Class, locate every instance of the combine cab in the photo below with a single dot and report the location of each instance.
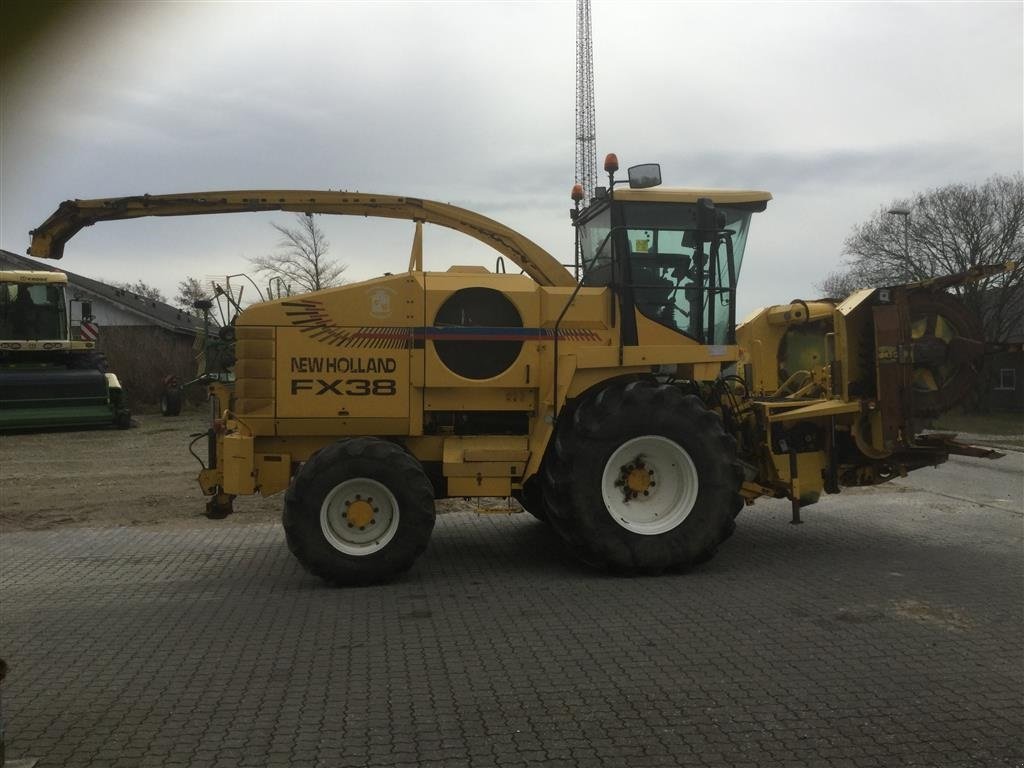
(48, 379)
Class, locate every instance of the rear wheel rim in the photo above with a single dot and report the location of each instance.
(359, 517)
(649, 485)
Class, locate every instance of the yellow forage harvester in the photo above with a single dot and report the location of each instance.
(619, 400)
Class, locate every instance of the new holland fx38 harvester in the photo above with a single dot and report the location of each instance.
(626, 408)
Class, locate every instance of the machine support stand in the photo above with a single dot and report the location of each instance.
(220, 505)
(794, 490)
(832, 468)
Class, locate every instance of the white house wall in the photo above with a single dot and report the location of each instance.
(106, 312)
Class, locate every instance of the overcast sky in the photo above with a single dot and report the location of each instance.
(838, 109)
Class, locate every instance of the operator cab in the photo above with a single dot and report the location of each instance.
(672, 254)
(33, 306)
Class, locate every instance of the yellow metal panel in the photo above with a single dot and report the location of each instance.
(485, 457)
(706, 371)
(384, 303)
(342, 427)
(254, 332)
(521, 292)
(590, 357)
(416, 368)
(479, 486)
(254, 388)
(480, 399)
(591, 308)
(777, 412)
(809, 468)
(254, 349)
(320, 380)
(493, 447)
(258, 369)
(496, 454)
(854, 332)
(254, 424)
(854, 300)
(296, 448)
(429, 448)
(440, 285)
(668, 354)
(210, 480)
(273, 472)
(485, 469)
(248, 407)
(237, 462)
(652, 333)
(415, 411)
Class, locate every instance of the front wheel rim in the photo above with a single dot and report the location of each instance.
(649, 485)
(359, 517)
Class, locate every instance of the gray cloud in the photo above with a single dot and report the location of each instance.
(835, 108)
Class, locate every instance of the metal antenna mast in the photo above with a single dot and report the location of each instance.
(586, 127)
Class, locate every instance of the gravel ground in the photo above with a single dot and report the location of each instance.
(100, 478)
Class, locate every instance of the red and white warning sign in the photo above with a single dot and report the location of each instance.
(90, 331)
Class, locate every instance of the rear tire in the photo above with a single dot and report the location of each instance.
(643, 478)
(359, 511)
(170, 401)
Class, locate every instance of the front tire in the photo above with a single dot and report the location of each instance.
(643, 479)
(359, 511)
(531, 498)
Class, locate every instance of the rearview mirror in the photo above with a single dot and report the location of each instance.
(644, 176)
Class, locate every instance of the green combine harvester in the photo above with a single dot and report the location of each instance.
(47, 378)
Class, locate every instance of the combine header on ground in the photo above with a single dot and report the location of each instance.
(629, 410)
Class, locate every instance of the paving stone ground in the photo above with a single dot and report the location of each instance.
(885, 631)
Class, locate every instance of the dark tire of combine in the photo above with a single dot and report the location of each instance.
(532, 498)
(642, 479)
(359, 511)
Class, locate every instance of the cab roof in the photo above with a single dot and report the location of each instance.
(28, 276)
(686, 195)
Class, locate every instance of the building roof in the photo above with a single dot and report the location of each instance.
(158, 313)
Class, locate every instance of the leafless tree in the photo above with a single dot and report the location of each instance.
(949, 230)
(140, 288)
(190, 290)
(301, 261)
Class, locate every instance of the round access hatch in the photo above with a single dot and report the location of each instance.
(470, 341)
